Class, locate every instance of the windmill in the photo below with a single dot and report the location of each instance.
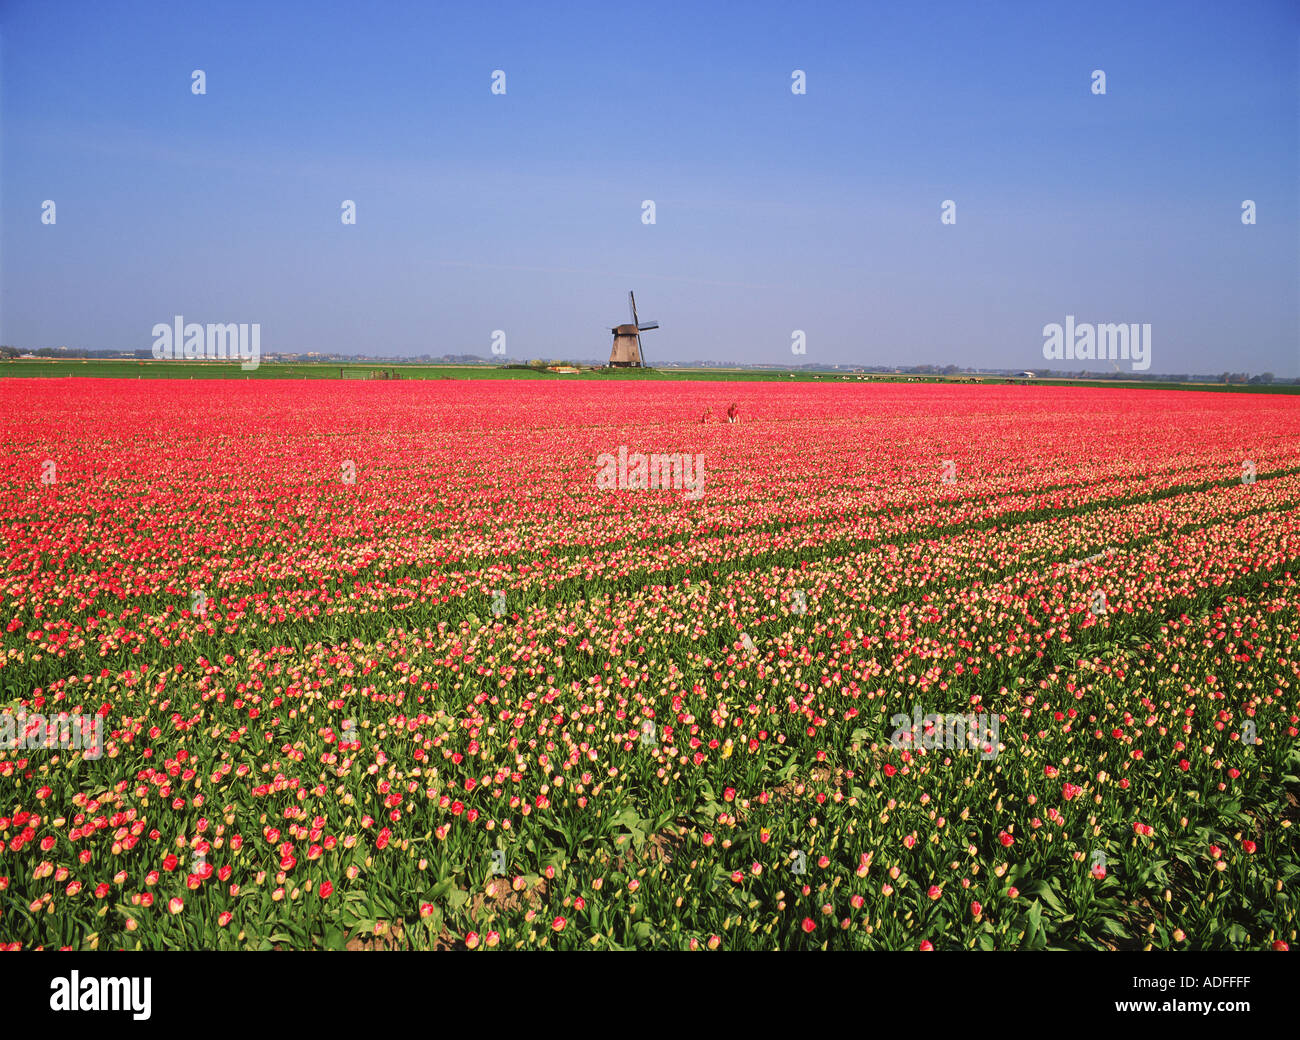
(626, 352)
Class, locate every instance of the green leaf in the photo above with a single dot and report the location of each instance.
(1034, 937)
(1043, 890)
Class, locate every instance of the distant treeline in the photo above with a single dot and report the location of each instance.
(1240, 378)
(66, 352)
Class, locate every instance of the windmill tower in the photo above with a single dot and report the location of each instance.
(626, 352)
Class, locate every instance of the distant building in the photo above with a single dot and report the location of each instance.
(1025, 375)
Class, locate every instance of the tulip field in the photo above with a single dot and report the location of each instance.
(380, 666)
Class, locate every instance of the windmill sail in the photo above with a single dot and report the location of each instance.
(627, 352)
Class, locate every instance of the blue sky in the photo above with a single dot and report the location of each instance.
(774, 212)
